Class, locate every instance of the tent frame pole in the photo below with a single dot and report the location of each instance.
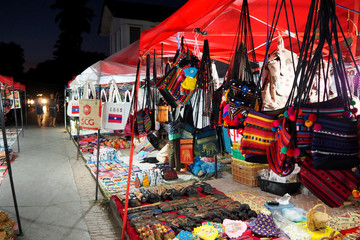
(97, 155)
(21, 116)
(16, 122)
(7, 157)
(65, 109)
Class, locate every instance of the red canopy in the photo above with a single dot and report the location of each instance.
(127, 56)
(7, 80)
(219, 19)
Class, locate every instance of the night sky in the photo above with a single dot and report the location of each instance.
(31, 24)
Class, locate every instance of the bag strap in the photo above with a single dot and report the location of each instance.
(75, 96)
(114, 93)
(103, 94)
(88, 84)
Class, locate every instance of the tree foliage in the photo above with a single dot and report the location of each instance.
(12, 59)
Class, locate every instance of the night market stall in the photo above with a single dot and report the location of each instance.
(286, 112)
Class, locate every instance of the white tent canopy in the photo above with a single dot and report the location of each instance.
(102, 72)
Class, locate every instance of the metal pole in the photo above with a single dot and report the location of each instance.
(22, 116)
(6, 147)
(78, 137)
(97, 165)
(65, 109)
(97, 154)
(16, 122)
(25, 110)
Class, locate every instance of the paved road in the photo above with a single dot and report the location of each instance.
(55, 192)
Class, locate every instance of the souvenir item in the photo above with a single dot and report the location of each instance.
(264, 224)
(335, 145)
(234, 228)
(90, 109)
(73, 109)
(207, 143)
(331, 186)
(115, 111)
(186, 151)
(317, 220)
(257, 133)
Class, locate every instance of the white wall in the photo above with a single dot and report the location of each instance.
(120, 32)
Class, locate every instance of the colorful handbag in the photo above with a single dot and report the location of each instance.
(330, 186)
(335, 145)
(73, 109)
(207, 143)
(226, 140)
(162, 114)
(187, 151)
(304, 134)
(257, 133)
(279, 162)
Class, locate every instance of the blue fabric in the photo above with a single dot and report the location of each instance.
(227, 140)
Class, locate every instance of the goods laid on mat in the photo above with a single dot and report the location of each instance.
(88, 143)
(3, 164)
(8, 226)
(11, 136)
(198, 211)
(113, 173)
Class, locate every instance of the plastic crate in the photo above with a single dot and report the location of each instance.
(247, 174)
(279, 188)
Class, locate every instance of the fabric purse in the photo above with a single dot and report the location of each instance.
(333, 187)
(279, 162)
(207, 143)
(90, 109)
(335, 145)
(226, 140)
(304, 135)
(169, 173)
(257, 133)
(278, 77)
(115, 114)
(187, 151)
(73, 109)
(162, 114)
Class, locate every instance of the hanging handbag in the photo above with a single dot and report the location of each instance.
(207, 142)
(90, 109)
(333, 187)
(335, 145)
(162, 114)
(73, 109)
(187, 151)
(257, 133)
(115, 113)
(279, 161)
(278, 77)
(226, 140)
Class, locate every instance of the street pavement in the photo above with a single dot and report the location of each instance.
(55, 191)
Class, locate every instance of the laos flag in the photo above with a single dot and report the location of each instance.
(75, 109)
(115, 118)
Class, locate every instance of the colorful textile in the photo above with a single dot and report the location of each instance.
(257, 133)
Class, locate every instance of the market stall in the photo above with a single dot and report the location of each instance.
(276, 115)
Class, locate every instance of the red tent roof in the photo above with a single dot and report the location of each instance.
(220, 21)
(7, 80)
(127, 56)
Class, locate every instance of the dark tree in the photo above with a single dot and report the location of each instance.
(11, 59)
(74, 19)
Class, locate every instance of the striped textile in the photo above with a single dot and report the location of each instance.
(279, 162)
(333, 108)
(335, 146)
(331, 187)
(257, 133)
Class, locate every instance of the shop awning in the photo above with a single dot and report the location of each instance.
(7, 80)
(219, 20)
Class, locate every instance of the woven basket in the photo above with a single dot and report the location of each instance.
(317, 220)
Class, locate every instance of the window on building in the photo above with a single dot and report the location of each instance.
(134, 33)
